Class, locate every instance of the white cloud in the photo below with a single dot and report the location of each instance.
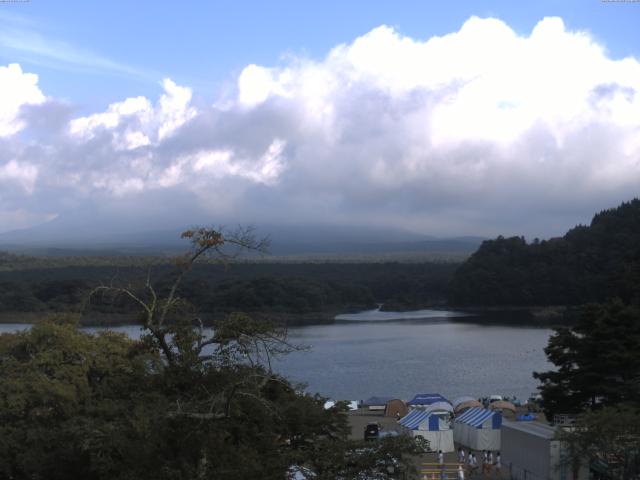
(16, 90)
(481, 131)
(22, 174)
(135, 123)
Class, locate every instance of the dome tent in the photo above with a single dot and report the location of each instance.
(459, 400)
(439, 407)
(461, 407)
(502, 405)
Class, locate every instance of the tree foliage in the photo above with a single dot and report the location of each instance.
(609, 439)
(292, 291)
(597, 360)
(183, 402)
(589, 264)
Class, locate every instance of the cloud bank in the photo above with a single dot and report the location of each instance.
(481, 131)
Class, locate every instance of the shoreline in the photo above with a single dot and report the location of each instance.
(516, 316)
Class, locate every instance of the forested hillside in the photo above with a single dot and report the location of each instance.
(589, 264)
(297, 288)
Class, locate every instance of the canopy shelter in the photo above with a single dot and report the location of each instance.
(502, 405)
(461, 407)
(395, 408)
(478, 429)
(431, 426)
(426, 399)
(376, 403)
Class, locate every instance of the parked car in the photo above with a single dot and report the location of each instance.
(371, 431)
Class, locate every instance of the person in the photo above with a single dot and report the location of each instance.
(441, 463)
(473, 463)
(460, 473)
(489, 462)
(498, 464)
(460, 455)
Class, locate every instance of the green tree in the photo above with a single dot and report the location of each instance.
(183, 402)
(608, 439)
(597, 360)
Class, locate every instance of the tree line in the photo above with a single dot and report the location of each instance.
(248, 287)
(589, 264)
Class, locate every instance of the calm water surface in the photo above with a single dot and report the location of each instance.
(357, 359)
(400, 354)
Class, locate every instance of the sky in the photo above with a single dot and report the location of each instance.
(444, 118)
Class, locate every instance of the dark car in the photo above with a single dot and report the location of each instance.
(371, 431)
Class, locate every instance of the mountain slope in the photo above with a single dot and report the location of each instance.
(589, 264)
(79, 236)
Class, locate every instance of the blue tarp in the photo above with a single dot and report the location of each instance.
(529, 417)
(413, 420)
(477, 416)
(427, 399)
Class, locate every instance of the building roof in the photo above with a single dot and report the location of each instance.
(533, 428)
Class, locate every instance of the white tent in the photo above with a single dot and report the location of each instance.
(431, 426)
(439, 407)
(478, 429)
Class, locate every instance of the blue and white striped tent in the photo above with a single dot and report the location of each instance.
(478, 428)
(431, 426)
(476, 417)
(419, 419)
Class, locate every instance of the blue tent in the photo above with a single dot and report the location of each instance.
(376, 403)
(478, 428)
(423, 399)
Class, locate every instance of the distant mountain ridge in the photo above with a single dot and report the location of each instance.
(589, 264)
(63, 238)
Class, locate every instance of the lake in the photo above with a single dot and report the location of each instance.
(401, 354)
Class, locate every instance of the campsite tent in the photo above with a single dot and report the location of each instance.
(461, 407)
(426, 399)
(502, 405)
(478, 429)
(460, 400)
(432, 427)
(439, 407)
(395, 408)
